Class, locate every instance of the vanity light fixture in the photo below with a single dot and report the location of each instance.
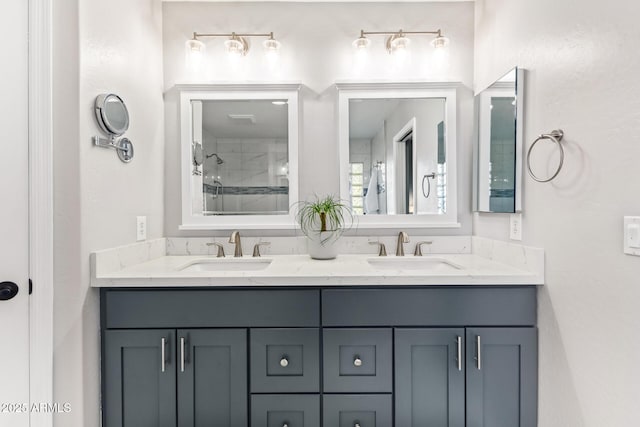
(236, 44)
(398, 40)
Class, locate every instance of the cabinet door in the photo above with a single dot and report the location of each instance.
(139, 378)
(429, 377)
(502, 377)
(212, 377)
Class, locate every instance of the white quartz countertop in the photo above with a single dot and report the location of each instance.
(301, 270)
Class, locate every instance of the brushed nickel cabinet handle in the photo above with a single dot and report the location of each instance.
(181, 354)
(479, 353)
(459, 341)
(163, 343)
(357, 361)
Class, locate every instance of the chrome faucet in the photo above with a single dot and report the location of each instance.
(235, 238)
(402, 238)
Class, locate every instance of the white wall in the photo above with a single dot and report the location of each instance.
(99, 47)
(583, 62)
(316, 50)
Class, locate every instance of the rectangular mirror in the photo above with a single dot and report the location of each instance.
(239, 157)
(498, 177)
(397, 160)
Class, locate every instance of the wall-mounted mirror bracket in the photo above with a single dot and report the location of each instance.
(123, 146)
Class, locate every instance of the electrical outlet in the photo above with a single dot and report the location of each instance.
(632, 235)
(515, 226)
(141, 228)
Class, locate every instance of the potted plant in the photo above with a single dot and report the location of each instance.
(323, 221)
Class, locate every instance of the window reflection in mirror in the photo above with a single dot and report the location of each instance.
(244, 168)
(499, 139)
(397, 156)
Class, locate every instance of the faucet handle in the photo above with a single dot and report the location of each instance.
(418, 251)
(220, 249)
(382, 249)
(256, 248)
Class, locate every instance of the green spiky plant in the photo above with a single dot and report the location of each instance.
(326, 214)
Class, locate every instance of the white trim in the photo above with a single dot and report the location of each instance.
(405, 90)
(290, 92)
(41, 209)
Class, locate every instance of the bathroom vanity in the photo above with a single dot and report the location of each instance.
(235, 348)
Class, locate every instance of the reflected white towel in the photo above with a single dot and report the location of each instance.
(371, 199)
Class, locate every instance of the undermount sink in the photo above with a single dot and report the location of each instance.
(415, 263)
(223, 264)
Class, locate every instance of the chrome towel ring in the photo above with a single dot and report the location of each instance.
(554, 136)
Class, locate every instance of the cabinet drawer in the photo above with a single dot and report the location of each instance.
(211, 308)
(357, 360)
(285, 360)
(277, 410)
(344, 410)
(463, 306)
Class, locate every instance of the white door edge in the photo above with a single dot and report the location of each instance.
(41, 210)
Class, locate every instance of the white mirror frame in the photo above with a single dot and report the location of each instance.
(408, 90)
(222, 92)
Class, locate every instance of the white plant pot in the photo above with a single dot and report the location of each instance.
(322, 245)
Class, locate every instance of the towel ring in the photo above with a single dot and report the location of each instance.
(555, 136)
(426, 177)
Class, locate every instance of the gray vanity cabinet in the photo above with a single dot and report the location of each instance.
(429, 377)
(140, 366)
(502, 372)
(451, 356)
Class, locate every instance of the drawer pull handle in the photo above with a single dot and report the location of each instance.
(284, 362)
(285, 424)
(357, 361)
(356, 424)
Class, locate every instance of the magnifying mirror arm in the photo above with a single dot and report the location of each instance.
(123, 146)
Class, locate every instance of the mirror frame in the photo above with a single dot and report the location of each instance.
(103, 119)
(518, 177)
(407, 90)
(221, 92)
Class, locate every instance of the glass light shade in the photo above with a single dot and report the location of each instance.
(194, 46)
(400, 43)
(194, 53)
(440, 42)
(271, 45)
(361, 43)
(235, 47)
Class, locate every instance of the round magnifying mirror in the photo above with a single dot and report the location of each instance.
(197, 154)
(112, 114)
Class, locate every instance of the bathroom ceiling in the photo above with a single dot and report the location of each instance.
(325, 1)
(245, 119)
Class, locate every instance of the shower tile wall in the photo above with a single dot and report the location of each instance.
(502, 175)
(248, 163)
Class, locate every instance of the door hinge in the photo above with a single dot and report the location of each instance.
(30, 286)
